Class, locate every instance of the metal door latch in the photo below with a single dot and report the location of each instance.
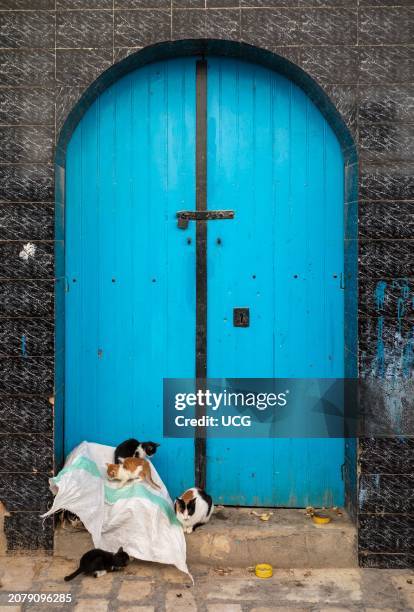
(241, 317)
(184, 216)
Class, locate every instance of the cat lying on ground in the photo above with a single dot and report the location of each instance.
(98, 562)
(132, 468)
(133, 448)
(193, 509)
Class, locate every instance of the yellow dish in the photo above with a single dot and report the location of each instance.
(263, 570)
(321, 519)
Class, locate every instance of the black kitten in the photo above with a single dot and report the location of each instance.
(133, 448)
(98, 562)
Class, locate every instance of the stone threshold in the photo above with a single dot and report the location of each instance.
(238, 538)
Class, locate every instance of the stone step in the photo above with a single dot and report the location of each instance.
(235, 537)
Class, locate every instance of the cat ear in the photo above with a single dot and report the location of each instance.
(120, 549)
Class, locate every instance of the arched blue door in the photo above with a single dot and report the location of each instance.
(131, 302)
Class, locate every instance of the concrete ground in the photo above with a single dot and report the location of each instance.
(146, 587)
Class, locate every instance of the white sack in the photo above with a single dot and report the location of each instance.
(137, 517)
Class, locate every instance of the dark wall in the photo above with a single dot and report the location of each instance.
(361, 55)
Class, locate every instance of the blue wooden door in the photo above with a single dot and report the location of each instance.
(273, 158)
(130, 304)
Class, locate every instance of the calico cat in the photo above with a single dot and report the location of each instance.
(193, 509)
(98, 562)
(132, 468)
(133, 448)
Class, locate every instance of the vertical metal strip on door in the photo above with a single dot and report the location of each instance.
(201, 257)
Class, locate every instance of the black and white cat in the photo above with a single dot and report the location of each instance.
(133, 448)
(98, 562)
(193, 509)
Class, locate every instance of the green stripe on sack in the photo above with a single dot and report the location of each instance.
(80, 463)
(112, 495)
(138, 490)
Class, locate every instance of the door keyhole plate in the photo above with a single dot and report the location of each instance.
(241, 317)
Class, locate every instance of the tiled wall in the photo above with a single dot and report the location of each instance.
(361, 52)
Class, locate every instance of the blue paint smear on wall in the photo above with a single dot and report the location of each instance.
(394, 355)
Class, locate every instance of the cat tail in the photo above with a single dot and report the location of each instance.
(72, 576)
(152, 483)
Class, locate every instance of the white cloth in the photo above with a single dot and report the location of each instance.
(137, 517)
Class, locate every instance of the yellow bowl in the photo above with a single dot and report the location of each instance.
(321, 519)
(263, 570)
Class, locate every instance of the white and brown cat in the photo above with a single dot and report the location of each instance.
(132, 468)
(193, 509)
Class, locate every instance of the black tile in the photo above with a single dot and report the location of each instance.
(345, 100)
(26, 337)
(387, 182)
(27, 67)
(26, 221)
(386, 455)
(81, 66)
(222, 3)
(27, 298)
(141, 28)
(24, 492)
(32, 453)
(121, 53)
(386, 103)
(66, 99)
(386, 561)
(26, 183)
(386, 493)
(139, 4)
(386, 346)
(386, 258)
(27, 29)
(26, 144)
(44, 5)
(84, 4)
(386, 25)
(385, 407)
(391, 533)
(386, 64)
(213, 23)
(386, 220)
(386, 3)
(325, 64)
(386, 297)
(27, 531)
(80, 29)
(200, 4)
(31, 375)
(222, 24)
(290, 53)
(25, 414)
(386, 141)
(27, 106)
(21, 260)
(298, 3)
(321, 26)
